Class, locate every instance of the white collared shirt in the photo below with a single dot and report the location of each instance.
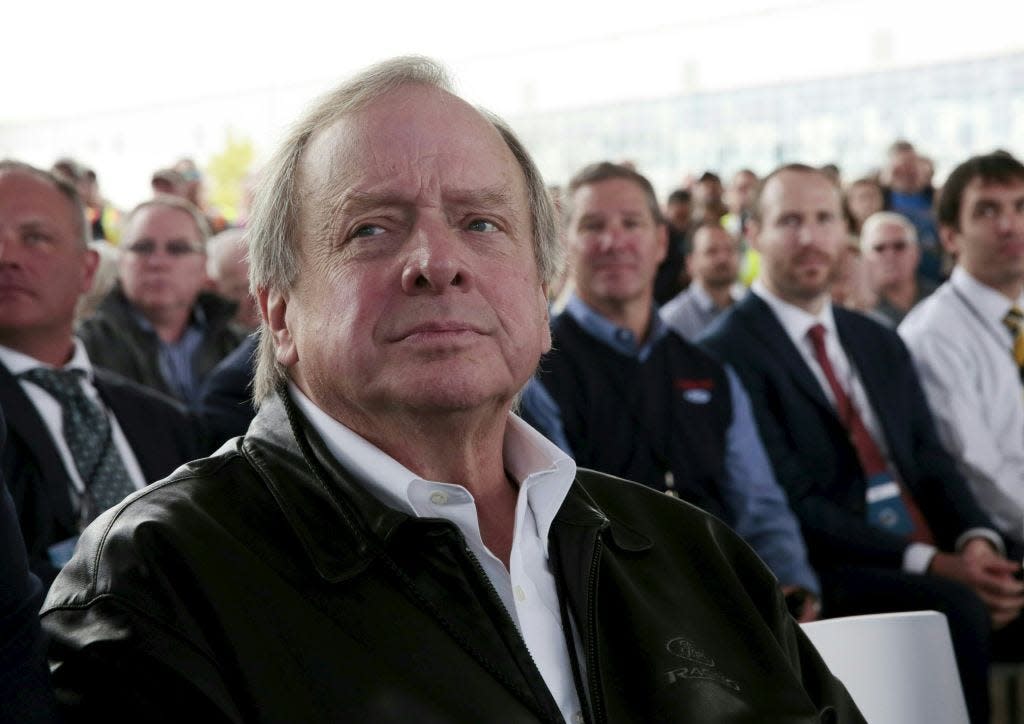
(52, 414)
(797, 322)
(528, 590)
(962, 351)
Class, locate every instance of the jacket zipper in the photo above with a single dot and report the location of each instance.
(495, 598)
(596, 701)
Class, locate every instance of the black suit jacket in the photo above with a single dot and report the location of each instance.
(159, 430)
(811, 451)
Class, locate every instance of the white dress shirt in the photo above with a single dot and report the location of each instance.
(52, 414)
(796, 321)
(544, 475)
(962, 351)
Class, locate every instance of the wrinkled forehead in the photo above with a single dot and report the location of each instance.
(161, 220)
(410, 140)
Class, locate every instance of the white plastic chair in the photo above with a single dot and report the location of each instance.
(898, 667)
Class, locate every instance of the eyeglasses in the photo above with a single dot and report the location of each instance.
(897, 246)
(175, 249)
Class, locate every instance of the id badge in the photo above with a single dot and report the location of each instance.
(886, 509)
(60, 552)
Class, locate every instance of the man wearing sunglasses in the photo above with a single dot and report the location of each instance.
(888, 242)
(159, 327)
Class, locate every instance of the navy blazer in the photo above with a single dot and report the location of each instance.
(159, 430)
(811, 451)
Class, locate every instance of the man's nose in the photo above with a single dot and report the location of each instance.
(435, 260)
(610, 237)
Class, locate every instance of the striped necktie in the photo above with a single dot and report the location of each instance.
(1014, 321)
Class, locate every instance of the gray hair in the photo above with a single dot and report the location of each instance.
(218, 247)
(274, 232)
(170, 201)
(885, 218)
(66, 188)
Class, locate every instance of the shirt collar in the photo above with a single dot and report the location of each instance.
(528, 457)
(19, 362)
(990, 304)
(196, 318)
(701, 296)
(610, 334)
(794, 320)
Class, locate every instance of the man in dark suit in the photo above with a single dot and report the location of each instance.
(888, 520)
(79, 439)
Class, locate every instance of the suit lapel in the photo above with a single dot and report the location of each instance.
(24, 421)
(153, 446)
(873, 377)
(765, 326)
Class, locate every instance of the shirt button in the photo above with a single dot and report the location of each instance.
(671, 493)
(520, 594)
(438, 498)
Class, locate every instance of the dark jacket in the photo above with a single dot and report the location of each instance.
(810, 448)
(638, 419)
(159, 431)
(115, 341)
(264, 584)
(24, 680)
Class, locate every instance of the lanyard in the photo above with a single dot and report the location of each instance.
(1000, 340)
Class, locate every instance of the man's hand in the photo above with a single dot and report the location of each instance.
(988, 574)
(803, 604)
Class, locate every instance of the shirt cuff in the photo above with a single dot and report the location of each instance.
(918, 556)
(987, 533)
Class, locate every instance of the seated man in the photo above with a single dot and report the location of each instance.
(623, 394)
(889, 521)
(227, 267)
(158, 327)
(888, 243)
(387, 543)
(967, 339)
(80, 439)
(713, 264)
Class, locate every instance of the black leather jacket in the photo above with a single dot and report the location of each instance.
(263, 584)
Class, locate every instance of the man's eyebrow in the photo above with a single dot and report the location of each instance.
(487, 197)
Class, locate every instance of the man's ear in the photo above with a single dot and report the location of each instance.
(949, 238)
(753, 232)
(274, 308)
(90, 263)
(662, 241)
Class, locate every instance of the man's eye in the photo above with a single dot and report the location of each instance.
(482, 225)
(367, 230)
(35, 237)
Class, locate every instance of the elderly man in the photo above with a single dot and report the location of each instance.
(967, 339)
(713, 264)
(227, 267)
(888, 244)
(890, 523)
(159, 327)
(387, 543)
(80, 439)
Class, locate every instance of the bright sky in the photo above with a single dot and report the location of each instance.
(68, 59)
(83, 66)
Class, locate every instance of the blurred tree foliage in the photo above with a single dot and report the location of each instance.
(226, 173)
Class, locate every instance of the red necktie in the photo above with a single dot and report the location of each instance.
(871, 458)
